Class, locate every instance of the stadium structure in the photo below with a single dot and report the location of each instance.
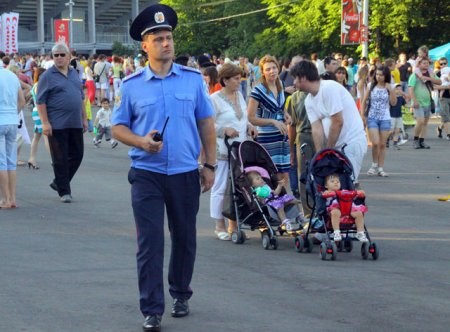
(96, 24)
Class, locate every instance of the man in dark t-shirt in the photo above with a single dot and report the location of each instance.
(405, 69)
(61, 109)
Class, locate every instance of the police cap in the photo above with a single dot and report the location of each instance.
(153, 18)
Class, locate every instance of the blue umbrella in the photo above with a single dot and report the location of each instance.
(439, 52)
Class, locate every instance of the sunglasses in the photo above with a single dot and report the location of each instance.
(443, 63)
(57, 55)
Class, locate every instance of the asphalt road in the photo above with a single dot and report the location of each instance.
(71, 267)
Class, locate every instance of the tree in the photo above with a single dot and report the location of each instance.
(290, 27)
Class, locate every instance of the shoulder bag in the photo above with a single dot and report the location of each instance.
(97, 77)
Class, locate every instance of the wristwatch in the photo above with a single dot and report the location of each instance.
(210, 167)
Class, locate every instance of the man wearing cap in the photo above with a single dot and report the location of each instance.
(164, 170)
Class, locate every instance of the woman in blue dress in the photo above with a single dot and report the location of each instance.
(266, 111)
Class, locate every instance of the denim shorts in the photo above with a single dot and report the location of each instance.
(8, 147)
(422, 112)
(382, 125)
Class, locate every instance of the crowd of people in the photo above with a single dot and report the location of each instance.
(335, 102)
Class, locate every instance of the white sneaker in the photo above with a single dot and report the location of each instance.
(287, 225)
(361, 236)
(402, 141)
(337, 236)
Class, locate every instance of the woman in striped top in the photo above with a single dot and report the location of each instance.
(266, 111)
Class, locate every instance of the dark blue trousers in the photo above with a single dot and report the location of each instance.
(179, 194)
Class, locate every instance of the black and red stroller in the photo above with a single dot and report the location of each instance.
(240, 201)
(324, 163)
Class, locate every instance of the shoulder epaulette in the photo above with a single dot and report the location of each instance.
(135, 74)
(194, 70)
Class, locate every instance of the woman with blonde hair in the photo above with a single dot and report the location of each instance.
(266, 111)
(361, 86)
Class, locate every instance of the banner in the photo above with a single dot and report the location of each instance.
(9, 33)
(351, 19)
(62, 32)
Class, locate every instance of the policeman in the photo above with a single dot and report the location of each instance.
(164, 169)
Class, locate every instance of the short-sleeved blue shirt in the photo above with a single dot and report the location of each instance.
(63, 96)
(147, 100)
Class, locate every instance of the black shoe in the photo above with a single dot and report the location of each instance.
(180, 308)
(424, 146)
(439, 131)
(53, 186)
(152, 323)
(416, 144)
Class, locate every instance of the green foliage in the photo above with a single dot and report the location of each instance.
(290, 27)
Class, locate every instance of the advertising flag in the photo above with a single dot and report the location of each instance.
(62, 32)
(351, 19)
(9, 33)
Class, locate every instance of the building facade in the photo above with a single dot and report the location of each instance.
(96, 24)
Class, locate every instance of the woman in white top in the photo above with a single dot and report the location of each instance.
(379, 98)
(90, 84)
(231, 120)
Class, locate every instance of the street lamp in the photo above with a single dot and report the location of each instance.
(70, 4)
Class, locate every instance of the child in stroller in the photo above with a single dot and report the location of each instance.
(273, 198)
(340, 203)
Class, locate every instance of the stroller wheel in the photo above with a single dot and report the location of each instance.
(265, 240)
(323, 251)
(334, 251)
(374, 251)
(299, 243)
(348, 245)
(238, 237)
(340, 246)
(309, 243)
(365, 250)
(274, 243)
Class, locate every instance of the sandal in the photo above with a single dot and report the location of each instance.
(372, 171)
(222, 235)
(383, 174)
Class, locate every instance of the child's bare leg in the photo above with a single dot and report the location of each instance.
(359, 220)
(335, 219)
(281, 214)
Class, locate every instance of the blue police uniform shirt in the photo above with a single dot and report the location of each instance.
(147, 100)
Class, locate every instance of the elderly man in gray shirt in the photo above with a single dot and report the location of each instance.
(61, 109)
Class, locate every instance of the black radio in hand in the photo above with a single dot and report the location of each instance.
(159, 137)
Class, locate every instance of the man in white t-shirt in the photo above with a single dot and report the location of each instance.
(335, 120)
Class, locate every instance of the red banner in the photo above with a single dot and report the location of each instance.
(62, 31)
(351, 18)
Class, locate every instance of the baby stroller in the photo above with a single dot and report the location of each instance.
(324, 163)
(240, 201)
(408, 121)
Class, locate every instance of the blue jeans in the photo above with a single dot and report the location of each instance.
(293, 172)
(244, 89)
(8, 147)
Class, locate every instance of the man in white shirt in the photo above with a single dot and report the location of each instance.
(331, 109)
